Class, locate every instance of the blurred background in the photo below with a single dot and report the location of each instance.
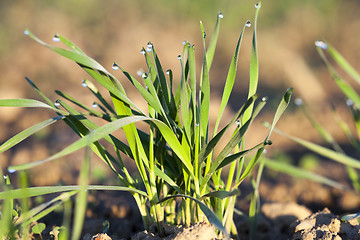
(113, 30)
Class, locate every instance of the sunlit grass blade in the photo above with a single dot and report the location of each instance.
(221, 194)
(212, 45)
(38, 191)
(211, 216)
(204, 92)
(229, 83)
(280, 110)
(300, 173)
(70, 44)
(81, 198)
(254, 67)
(47, 100)
(38, 212)
(328, 153)
(343, 63)
(344, 86)
(27, 133)
(21, 102)
(73, 55)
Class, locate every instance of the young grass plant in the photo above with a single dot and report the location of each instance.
(336, 152)
(175, 157)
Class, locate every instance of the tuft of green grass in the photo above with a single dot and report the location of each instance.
(175, 156)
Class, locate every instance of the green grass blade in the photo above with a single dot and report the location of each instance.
(221, 194)
(254, 67)
(35, 213)
(344, 86)
(230, 79)
(27, 133)
(280, 110)
(21, 102)
(39, 92)
(204, 94)
(70, 44)
(328, 153)
(300, 173)
(211, 216)
(75, 56)
(212, 45)
(229, 159)
(81, 198)
(38, 191)
(343, 63)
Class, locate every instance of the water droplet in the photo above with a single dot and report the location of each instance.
(144, 75)
(142, 51)
(139, 72)
(258, 5)
(238, 122)
(298, 101)
(84, 83)
(168, 72)
(179, 57)
(220, 15)
(149, 47)
(115, 66)
(197, 124)
(94, 105)
(184, 42)
(57, 103)
(56, 38)
(11, 170)
(268, 142)
(265, 151)
(321, 44)
(26, 32)
(204, 35)
(248, 23)
(5, 177)
(264, 99)
(349, 102)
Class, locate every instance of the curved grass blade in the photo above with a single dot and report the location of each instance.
(230, 79)
(343, 63)
(39, 191)
(328, 153)
(204, 94)
(75, 56)
(81, 198)
(211, 216)
(212, 45)
(22, 102)
(344, 86)
(280, 110)
(221, 194)
(36, 213)
(27, 133)
(300, 173)
(254, 68)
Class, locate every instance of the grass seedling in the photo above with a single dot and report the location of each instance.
(175, 156)
(335, 152)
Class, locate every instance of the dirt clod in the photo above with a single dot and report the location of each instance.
(326, 226)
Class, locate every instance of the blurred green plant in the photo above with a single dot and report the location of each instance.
(336, 152)
(175, 156)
